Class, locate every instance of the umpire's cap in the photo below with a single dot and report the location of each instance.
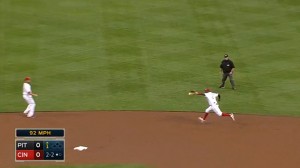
(226, 55)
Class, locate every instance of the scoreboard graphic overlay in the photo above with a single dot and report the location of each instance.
(40, 144)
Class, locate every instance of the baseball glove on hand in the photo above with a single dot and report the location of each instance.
(192, 92)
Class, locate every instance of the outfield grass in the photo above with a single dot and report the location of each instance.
(146, 55)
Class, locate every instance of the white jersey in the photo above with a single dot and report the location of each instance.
(211, 98)
(26, 89)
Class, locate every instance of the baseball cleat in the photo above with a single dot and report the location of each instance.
(25, 112)
(201, 119)
(232, 116)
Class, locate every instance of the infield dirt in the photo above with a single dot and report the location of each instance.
(163, 139)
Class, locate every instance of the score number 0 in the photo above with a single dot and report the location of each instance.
(38, 149)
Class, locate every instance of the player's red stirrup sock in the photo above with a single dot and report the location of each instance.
(205, 115)
(225, 114)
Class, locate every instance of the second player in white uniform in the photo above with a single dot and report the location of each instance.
(27, 96)
(213, 104)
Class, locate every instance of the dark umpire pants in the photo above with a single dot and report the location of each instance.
(225, 75)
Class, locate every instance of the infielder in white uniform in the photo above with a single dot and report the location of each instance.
(27, 95)
(213, 104)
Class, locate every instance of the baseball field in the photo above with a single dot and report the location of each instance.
(115, 74)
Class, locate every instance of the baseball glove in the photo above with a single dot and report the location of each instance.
(192, 92)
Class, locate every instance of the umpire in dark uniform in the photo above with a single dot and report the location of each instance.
(227, 68)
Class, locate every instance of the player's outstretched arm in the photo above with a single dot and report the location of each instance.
(195, 93)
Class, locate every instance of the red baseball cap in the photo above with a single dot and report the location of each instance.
(27, 78)
(207, 90)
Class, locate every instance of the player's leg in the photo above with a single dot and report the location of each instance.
(28, 106)
(232, 81)
(224, 78)
(27, 109)
(205, 114)
(32, 108)
(217, 110)
(31, 111)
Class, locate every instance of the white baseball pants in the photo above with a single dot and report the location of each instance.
(214, 108)
(31, 105)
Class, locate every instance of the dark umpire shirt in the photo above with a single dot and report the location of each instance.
(226, 66)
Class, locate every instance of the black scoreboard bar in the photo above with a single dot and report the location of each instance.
(40, 150)
(40, 144)
(40, 132)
